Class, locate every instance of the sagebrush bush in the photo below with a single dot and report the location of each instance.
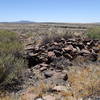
(94, 33)
(11, 61)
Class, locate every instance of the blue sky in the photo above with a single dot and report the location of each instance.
(50, 10)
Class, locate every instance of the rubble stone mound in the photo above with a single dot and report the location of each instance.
(50, 61)
(60, 53)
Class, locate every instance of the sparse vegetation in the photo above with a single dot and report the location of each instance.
(11, 61)
(94, 33)
(84, 81)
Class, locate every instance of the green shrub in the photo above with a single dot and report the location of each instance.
(11, 61)
(94, 33)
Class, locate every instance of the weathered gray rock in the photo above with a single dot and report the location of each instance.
(48, 74)
(43, 69)
(68, 48)
(85, 51)
(60, 88)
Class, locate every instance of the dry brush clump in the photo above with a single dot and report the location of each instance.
(11, 61)
(84, 81)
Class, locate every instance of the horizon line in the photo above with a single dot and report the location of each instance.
(29, 21)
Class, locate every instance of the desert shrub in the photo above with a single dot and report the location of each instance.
(94, 33)
(11, 61)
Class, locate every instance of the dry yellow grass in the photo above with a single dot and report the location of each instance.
(84, 81)
(38, 91)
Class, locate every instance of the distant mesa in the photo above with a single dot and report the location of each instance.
(24, 21)
(20, 22)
